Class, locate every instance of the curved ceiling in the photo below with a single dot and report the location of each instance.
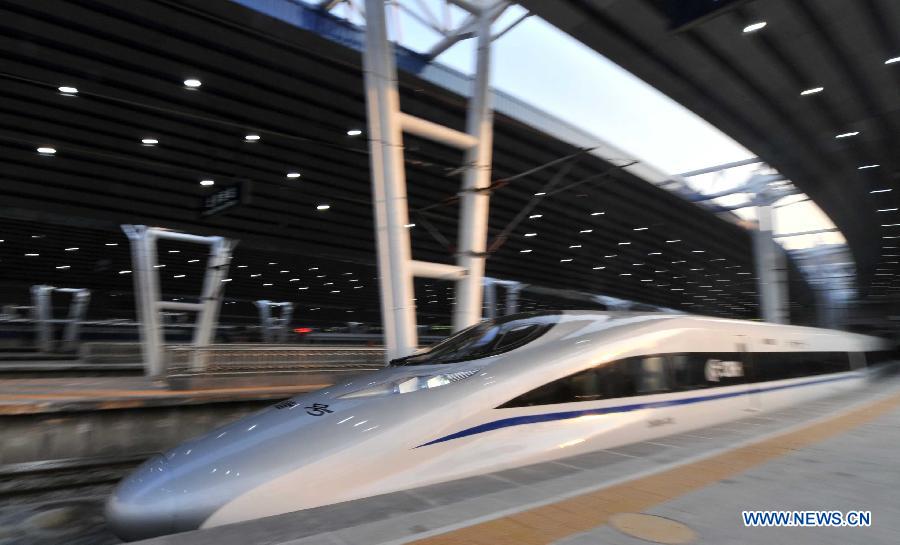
(751, 85)
(301, 94)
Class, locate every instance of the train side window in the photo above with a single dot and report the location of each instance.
(516, 336)
(650, 374)
(687, 372)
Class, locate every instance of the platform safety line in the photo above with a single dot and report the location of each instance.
(555, 519)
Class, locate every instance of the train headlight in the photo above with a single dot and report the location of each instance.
(412, 384)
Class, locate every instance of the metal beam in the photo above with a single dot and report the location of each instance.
(719, 168)
(438, 133)
(801, 233)
(475, 198)
(440, 271)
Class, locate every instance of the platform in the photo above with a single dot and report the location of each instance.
(82, 418)
(836, 453)
(32, 396)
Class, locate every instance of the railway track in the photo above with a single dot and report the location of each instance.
(59, 502)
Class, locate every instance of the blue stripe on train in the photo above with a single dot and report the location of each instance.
(549, 417)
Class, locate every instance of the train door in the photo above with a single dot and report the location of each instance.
(754, 398)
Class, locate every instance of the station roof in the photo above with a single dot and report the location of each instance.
(609, 232)
(813, 92)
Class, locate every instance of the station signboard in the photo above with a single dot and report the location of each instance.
(225, 198)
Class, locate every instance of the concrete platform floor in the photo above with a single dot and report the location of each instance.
(836, 453)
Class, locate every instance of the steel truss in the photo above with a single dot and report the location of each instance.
(386, 124)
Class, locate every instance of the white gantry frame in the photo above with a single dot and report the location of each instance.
(42, 314)
(147, 294)
(274, 329)
(512, 288)
(386, 124)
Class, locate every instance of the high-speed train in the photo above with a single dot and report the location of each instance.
(519, 390)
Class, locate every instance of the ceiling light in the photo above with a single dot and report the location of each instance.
(565, 260)
(539, 193)
(64, 267)
(655, 253)
(847, 134)
(267, 284)
(68, 91)
(251, 138)
(323, 207)
(892, 61)
(178, 276)
(409, 225)
(586, 231)
(192, 83)
(124, 272)
(72, 249)
(812, 91)
(754, 27)
(886, 210)
(32, 255)
(149, 141)
(524, 251)
(673, 240)
(283, 272)
(293, 175)
(880, 190)
(867, 166)
(354, 132)
(174, 251)
(196, 260)
(242, 266)
(640, 228)
(530, 234)
(599, 268)
(226, 280)
(575, 246)
(255, 275)
(698, 251)
(624, 243)
(625, 274)
(46, 151)
(535, 216)
(597, 213)
(611, 255)
(207, 182)
(159, 266)
(111, 244)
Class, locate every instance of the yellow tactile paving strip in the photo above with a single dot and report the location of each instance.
(549, 523)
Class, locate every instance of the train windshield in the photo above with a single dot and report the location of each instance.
(484, 339)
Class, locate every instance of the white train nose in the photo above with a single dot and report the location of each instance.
(149, 503)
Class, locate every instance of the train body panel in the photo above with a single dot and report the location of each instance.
(576, 382)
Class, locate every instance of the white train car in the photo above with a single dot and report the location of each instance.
(516, 391)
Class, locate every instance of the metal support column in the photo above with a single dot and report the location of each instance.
(475, 198)
(771, 269)
(490, 299)
(386, 125)
(42, 314)
(512, 298)
(147, 293)
(274, 329)
(388, 186)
